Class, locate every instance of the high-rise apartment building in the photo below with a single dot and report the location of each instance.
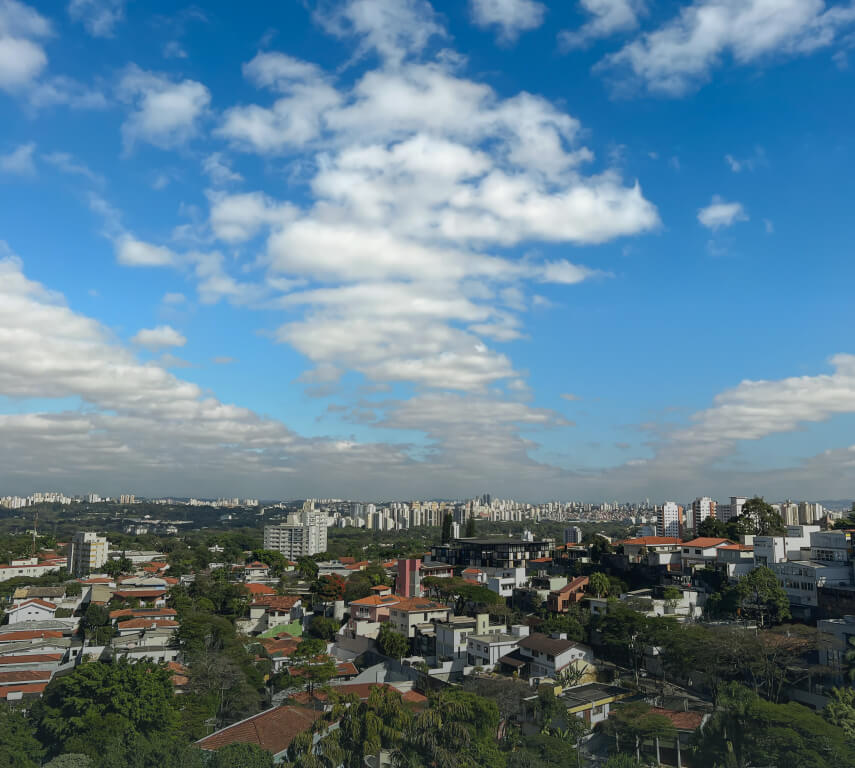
(302, 535)
(702, 508)
(573, 535)
(726, 512)
(87, 552)
(670, 522)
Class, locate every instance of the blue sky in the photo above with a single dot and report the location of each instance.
(369, 249)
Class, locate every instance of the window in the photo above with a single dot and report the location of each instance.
(697, 551)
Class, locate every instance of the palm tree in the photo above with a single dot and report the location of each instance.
(599, 584)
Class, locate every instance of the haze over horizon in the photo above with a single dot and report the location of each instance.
(364, 249)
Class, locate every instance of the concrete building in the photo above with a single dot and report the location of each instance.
(493, 552)
(700, 552)
(87, 552)
(726, 512)
(573, 535)
(670, 521)
(486, 650)
(302, 535)
(702, 508)
(408, 612)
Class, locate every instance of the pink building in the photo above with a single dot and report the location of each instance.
(408, 582)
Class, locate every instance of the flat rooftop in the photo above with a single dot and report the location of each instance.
(591, 693)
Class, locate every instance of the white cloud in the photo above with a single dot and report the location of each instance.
(218, 170)
(61, 90)
(223, 360)
(681, 54)
(236, 218)
(734, 164)
(609, 17)
(19, 161)
(159, 337)
(719, 213)
(65, 162)
(394, 29)
(141, 425)
(137, 253)
(172, 49)
(98, 16)
(166, 114)
(511, 17)
(22, 58)
(174, 298)
(570, 397)
(769, 226)
(565, 272)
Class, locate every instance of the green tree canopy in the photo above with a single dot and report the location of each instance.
(762, 597)
(241, 756)
(19, 747)
(392, 643)
(599, 584)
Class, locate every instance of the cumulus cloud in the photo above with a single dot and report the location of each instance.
(509, 17)
(159, 337)
(681, 54)
(22, 57)
(19, 161)
(100, 17)
(607, 18)
(137, 253)
(218, 170)
(721, 214)
(393, 29)
(165, 113)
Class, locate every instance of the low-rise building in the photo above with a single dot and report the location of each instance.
(543, 656)
(486, 650)
(408, 612)
(560, 600)
(700, 552)
(33, 609)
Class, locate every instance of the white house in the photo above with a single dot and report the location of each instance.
(33, 609)
(486, 650)
(29, 566)
(548, 656)
(701, 552)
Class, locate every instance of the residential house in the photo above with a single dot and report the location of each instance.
(486, 650)
(560, 600)
(30, 566)
(368, 613)
(542, 656)
(408, 612)
(700, 552)
(654, 551)
(33, 609)
(591, 702)
(452, 635)
(272, 730)
(735, 560)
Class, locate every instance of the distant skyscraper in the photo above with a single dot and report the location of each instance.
(702, 508)
(670, 521)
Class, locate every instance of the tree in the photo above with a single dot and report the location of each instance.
(745, 730)
(241, 756)
(19, 747)
(98, 707)
(272, 558)
(470, 527)
(330, 588)
(840, 710)
(311, 665)
(766, 521)
(308, 567)
(633, 723)
(598, 584)
(323, 628)
(761, 596)
(713, 528)
(70, 760)
(447, 522)
(391, 643)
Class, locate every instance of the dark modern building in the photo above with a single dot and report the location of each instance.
(492, 552)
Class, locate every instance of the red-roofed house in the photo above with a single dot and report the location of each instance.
(149, 598)
(268, 611)
(653, 550)
(257, 590)
(367, 613)
(273, 730)
(29, 566)
(33, 609)
(701, 552)
(559, 600)
(686, 724)
(256, 571)
(409, 611)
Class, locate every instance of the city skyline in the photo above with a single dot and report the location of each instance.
(366, 250)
